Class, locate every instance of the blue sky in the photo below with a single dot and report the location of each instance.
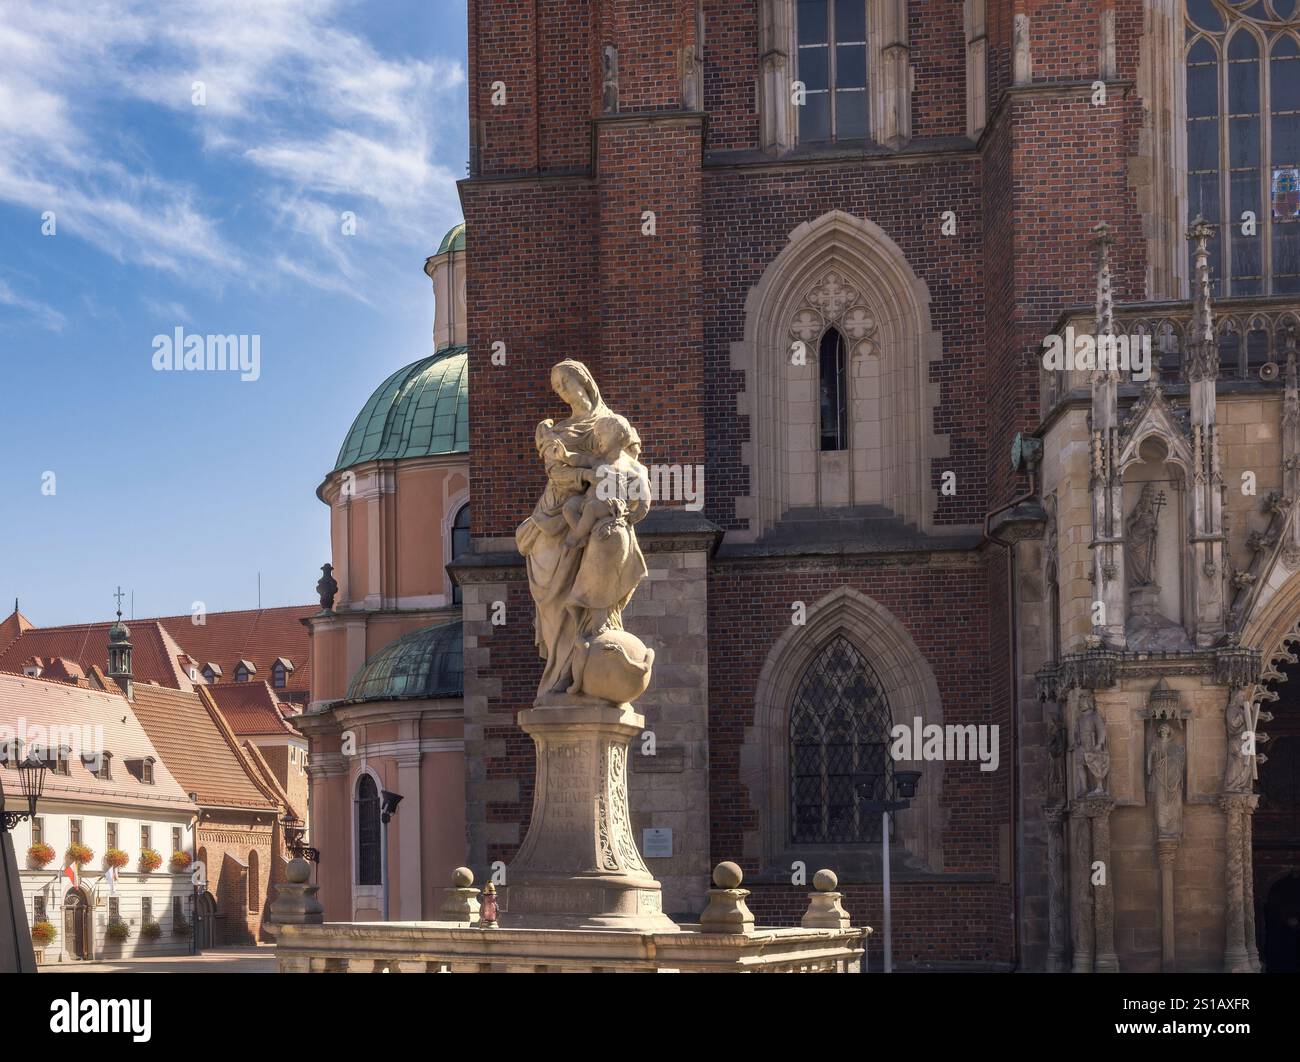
(223, 217)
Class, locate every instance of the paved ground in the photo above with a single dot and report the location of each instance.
(218, 960)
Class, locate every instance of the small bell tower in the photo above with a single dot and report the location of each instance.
(119, 651)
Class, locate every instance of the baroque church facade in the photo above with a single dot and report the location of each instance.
(816, 251)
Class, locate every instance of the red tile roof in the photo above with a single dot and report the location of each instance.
(196, 742)
(251, 708)
(47, 708)
(260, 636)
(155, 654)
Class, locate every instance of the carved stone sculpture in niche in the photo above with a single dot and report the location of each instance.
(1239, 722)
(1141, 537)
(1091, 749)
(1166, 780)
(1146, 629)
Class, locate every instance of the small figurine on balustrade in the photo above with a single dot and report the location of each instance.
(487, 914)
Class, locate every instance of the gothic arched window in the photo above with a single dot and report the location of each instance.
(1243, 140)
(839, 737)
(831, 39)
(832, 369)
(369, 870)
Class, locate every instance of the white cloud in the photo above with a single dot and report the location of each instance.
(44, 316)
(97, 124)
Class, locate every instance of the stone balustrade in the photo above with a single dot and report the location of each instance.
(724, 941)
(449, 947)
(1251, 332)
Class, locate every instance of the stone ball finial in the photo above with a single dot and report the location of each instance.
(728, 875)
(825, 881)
(298, 872)
(462, 877)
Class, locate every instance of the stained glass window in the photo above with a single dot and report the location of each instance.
(831, 50)
(839, 732)
(1243, 140)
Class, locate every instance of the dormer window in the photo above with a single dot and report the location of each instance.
(142, 769)
(211, 674)
(33, 668)
(99, 764)
(280, 672)
(244, 670)
(61, 761)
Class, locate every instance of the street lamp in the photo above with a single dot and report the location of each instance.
(387, 809)
(31, 779)
(295, 835)
(865, 785)
(16, 951)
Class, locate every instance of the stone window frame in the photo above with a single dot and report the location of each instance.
(889, 74)
(898, 332)
(911, 690)
(358, 889)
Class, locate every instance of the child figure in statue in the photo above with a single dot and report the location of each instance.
(616, 481)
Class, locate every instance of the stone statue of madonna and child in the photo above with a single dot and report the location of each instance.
(580, 545)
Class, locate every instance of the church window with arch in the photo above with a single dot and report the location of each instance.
(839, 739)
(834, 391)
(369, 867)
(1243, 140)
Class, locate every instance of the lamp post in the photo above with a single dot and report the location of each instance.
(387, 809)
(16, 952)
(865, 785)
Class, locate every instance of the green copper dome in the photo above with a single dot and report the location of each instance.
(454, 240)
(419, 411)
(425, 663)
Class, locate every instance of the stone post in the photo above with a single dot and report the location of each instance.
(295, 900)
(460, 904)
(1167, 849)
(1099, 809)
(1235, 806)
(579, 867)
(1081, 899)
(727, 911)
(824, 908)
(1057, 927)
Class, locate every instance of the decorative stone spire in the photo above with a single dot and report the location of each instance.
(1202, 349)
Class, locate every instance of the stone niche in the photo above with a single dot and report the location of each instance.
(1155, 530)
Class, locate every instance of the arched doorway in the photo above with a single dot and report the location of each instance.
(76, 924)
(1276, 827)
(205, 921)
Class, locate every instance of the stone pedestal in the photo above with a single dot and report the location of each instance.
(1057, 906)
(1098, 809)
(1237, 808)
(295, 899)
(579, 866)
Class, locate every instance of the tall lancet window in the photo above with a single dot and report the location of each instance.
(832, 65)
(832, 363)
(1243, 140)
(839, 733)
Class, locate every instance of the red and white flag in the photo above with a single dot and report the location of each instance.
(70, 872)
